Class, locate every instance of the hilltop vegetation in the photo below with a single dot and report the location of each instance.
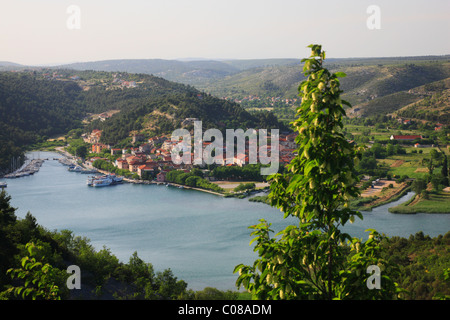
(372, 85)
(433, 103)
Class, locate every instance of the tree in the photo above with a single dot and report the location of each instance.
(81, 151)
(245, 187)
(39, 279)
(311, 260)
(7, 239)
(444, 172)
(433, 161)
(418, 186)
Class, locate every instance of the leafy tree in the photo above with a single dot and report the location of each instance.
(418, 186)
(209, 293)
(39, 279)
(168, 286)
(312, 260)
(7, 243)
(444, 172)
(245, 186)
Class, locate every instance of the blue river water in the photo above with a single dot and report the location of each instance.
(201, 237)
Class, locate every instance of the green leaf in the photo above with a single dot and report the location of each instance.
(311, 165)
(340, 74)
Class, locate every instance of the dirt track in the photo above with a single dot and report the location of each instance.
(397, 163)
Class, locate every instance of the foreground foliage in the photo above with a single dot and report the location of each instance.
(315, 260)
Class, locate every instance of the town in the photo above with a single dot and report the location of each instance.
(150, 158)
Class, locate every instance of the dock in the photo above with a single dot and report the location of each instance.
(29, 169)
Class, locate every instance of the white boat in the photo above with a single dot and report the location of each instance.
(3, 184)
(103, 181)
(75, 169)
(90, 180)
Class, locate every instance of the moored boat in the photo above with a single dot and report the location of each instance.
(103, 181)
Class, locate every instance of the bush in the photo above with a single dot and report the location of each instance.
(245, 186)
(191, 179)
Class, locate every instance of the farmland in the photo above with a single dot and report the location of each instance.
(390, 167)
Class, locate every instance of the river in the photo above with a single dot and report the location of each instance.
(201, 237)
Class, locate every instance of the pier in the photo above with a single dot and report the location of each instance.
(29, 169)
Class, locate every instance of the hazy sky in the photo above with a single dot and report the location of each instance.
(37, 32)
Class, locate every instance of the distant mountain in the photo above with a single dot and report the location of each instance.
(373, 85)
(367, 78)
(187, 71)
(6, 66)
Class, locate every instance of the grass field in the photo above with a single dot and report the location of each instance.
(409, 164)
(437, 203)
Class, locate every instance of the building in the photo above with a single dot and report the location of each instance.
(161, 176)
(168, 145)
(122, 164)
(144, 168)
(98, 147)
(94, 136)
(153, 141)
(240, 159)
(145, 148)
(134, 162)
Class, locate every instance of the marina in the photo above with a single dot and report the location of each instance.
(27, 169)
(67, 162)
(80, 169)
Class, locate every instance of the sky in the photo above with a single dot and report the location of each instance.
(42, 32)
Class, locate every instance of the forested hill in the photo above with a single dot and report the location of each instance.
(31, 110)
(166, 113)
(374, 86)
(40, 103)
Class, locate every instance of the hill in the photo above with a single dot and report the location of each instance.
(37, 104)
(373, 85)
(432, 103)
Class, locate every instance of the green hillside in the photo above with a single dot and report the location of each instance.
(432, 103)
(38, 104)
(364, 80)
(373, 85)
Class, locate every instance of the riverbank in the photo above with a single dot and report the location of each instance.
(168, 184)
(435, 203)
(366, 203)
(384, 192)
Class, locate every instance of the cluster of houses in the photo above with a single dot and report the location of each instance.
(153, 155)
(437, 127)
(270, 100)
